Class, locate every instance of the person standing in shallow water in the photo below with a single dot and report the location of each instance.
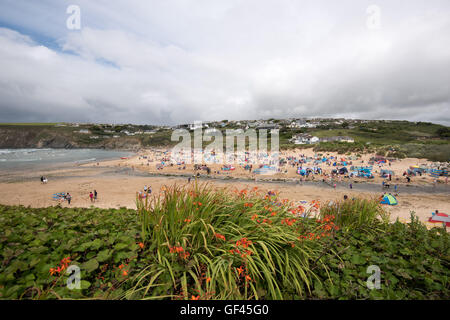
(91, 196)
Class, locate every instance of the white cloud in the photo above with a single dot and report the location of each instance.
(179, 61)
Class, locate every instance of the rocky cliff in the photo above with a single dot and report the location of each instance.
(36, 137)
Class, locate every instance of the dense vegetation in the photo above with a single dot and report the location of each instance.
(198, 243)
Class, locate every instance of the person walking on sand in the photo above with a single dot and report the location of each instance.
(68, 198)
(95, 194)
(91, 196)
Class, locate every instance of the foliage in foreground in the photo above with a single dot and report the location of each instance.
(198, 243)
(34, 241)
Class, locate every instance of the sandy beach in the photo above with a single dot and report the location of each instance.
(150, 161)
(118, 181)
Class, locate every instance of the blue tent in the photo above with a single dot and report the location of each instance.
(389, 199)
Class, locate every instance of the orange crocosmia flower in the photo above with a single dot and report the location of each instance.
(179, 249)
(121, 266)
(255, 216)
(187, 220)
(141, 245)
(208, 280)
(199, 203)
(240, 270)
(220, 236)
(195, 297)
(125, 272)
(248, 278)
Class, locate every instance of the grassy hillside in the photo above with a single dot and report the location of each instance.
(391, 138)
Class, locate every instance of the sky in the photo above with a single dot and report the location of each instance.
(169, 62)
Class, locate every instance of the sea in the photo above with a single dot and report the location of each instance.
(25, 159)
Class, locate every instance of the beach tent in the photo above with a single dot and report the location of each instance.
(389, 199)
(385, 173)
(59, 196)
(265, 170)
(440, 218)
(228, 168)
(436, 173)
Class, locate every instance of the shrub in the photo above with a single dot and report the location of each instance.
(222, 245)
(365, 214)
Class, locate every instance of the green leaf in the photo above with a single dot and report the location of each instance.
(104, 255)
(85, 284)
(357, 259)
(90, 266)
(120, 246)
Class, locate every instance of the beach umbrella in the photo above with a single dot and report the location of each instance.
(389, 199)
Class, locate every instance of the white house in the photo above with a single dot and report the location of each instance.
(304, 139)
(338, 139)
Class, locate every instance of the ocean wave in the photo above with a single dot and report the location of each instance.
(85, 160)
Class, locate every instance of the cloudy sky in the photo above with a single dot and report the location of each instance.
(176, 61)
